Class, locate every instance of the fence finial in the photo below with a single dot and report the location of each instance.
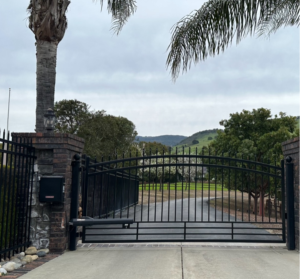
(288, 159)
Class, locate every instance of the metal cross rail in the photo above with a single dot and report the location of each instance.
(91, 222)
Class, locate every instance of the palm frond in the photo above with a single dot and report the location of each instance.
(212, 28)
(286, 13)
(121, 10)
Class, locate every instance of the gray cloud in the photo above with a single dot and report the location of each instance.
(126, 74)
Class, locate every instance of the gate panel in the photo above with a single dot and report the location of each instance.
(186, 197)
(16, 173)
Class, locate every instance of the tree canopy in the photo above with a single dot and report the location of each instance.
(71, 114)
(212, 28)
(103, 134)
(255, 136)
(255, 133)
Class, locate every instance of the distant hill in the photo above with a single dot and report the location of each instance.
(203, 138)
(168, 140)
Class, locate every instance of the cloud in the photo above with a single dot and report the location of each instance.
(126, 75)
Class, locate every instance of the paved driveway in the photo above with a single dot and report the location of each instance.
(172, 261)
(150, 228)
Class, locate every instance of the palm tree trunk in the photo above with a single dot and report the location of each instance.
(48, 22)
(46, 54)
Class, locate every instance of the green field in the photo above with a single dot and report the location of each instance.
(179, 186)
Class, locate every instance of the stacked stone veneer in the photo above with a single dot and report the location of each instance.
(291, 148)
(50, 222)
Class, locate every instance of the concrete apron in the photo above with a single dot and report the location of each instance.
(173, 261)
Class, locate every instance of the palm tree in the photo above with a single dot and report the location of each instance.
(48, 22)
(209, 30)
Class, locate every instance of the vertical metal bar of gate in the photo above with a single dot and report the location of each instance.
(196, 177)
(290, 204)
(169, 185)
(74, 199)
(162, 187)
(30, 190)
(283, 201)
(85, 190)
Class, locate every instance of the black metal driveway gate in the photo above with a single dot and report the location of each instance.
(184, 197)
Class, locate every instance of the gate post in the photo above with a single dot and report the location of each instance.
(74, 200)
(50, 221)
(290, 203)
(291, 148)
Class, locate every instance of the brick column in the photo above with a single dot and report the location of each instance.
(291, 148)
(50, 222)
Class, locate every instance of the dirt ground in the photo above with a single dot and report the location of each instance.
(165, 195)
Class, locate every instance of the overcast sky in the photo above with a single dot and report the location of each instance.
(126, 75)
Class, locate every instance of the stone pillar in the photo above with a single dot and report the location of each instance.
(291, 148)
(50, 222)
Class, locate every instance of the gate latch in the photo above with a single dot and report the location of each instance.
(126, 226)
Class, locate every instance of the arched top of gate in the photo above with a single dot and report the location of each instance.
(220, 159)
(186, 160)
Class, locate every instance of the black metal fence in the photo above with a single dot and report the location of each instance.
(187, 197)
(106, 194)
(16, 173)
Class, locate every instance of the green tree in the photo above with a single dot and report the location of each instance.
(106, 134)
(157, 169)
(103, 134)
(212, 28)
(71, 114)
(255, 132)
(155, 173)
(48, 22)
(256, 135)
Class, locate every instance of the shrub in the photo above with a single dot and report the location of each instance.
(209, 138)
(195, 141)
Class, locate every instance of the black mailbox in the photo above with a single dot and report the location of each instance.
(52, 189)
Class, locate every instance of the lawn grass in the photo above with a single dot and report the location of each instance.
(182, 186)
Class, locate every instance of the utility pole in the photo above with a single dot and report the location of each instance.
(7, 126)
(8, 111)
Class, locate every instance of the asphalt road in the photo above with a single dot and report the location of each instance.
(179, 220)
